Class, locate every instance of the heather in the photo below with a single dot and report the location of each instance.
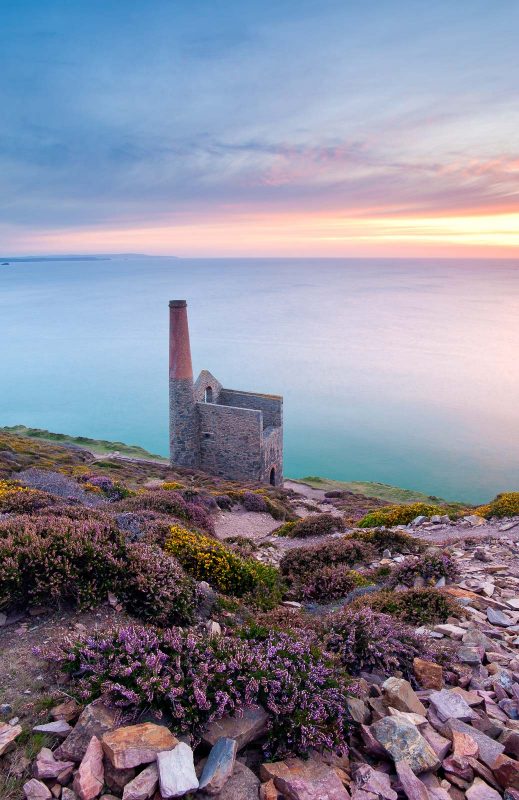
(395, 541)
(16, 499)
(297, 563)
(504, 505)
(429, 567)
(330, 583)
(313, 525)
(399, 514)
(165, 501)
(104, 486)
(367, 640)
(205, 558)
(194, 679)
(413, 606)
(57, 559)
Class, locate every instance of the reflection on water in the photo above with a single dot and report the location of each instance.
(404, 372)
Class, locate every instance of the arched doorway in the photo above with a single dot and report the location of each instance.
(272, 478)
(208, 396)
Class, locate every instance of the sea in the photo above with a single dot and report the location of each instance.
(403, 372)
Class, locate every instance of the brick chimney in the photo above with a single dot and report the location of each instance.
(183, 417)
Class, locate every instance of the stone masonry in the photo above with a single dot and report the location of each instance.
(233, 434)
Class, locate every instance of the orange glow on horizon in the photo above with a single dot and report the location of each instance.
(243, 234)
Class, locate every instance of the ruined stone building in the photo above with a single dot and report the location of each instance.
(234, 434)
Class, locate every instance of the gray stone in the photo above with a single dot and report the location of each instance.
(36, 790)
(94, 720)
(177, 774)
(46, 766)
(251, 725)
(375, 782)
(480, 790)
(413, 786)
(404, 742)
(242, 785)
(449, 704)
(496, 617)
(59, 728)
(400, 695)
(219, 765)
(489, 749)
(144, 785)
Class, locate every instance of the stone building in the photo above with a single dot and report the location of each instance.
(234, 434)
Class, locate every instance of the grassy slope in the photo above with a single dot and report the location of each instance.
(101, 446)
(382, 491)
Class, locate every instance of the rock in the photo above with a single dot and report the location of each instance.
(133, 745)
(413, 786)
(268, 791)
(464, 745)
(305, 780)
(36, 790)
(68, 794)
(219, 765)
(144, 785)
(448, 705)
(452, 631)
(89, 779)
(69, 710)
(116, 779)
(8, 735)
(439, 744)
(474, 520)
(404, 742)
(358, 710)
(5, 709)
(94, 720)
(242, 785)
(251, 725)
(46, 766)
(471, 654)
(496, 617)
(506, 772)
(375, 782)
(409, 716)
(177, 774)
(489, 749)
(428, 674)
(214, 629)
(58, 728)
(400, 695)
(481, 791)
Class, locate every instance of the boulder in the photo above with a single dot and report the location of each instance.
(412, 786)
(242, 785)
(251, 725)
(374, 782)
(506, 772)
(58, 728)
(137, 744)
(403, 741)
(36, 790)
(496, 617)
(94, 720)
(46, 766)
(219, 765)
(89, 779)
(8, 735)
(116, 779)
(480, 790)
(428, 674)
(177, 774)
(449, 705)
(144, 785)
(305, 780)
(489, 749)
(400, 695)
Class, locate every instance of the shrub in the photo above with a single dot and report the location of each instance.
(396, 541)
(330, 583)
(253, 502)
(285, 529)
(302, 561)
(196, 679)
(174, 486)
(209, 560)
(16, 499)
(429, 566)
(414, 606)
(504, 505)
(367, 640)
(315, 525)
(398, 515)
(102, 484)
(155, 587)
(223, 501)
(165, 501)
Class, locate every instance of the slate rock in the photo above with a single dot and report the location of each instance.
(144, 785)
(46, 766)
(489, 749)
(219, 765)
(428, 674)
(506, 772)
(57, 728)
(378, 783)
(8, 735)
(36, 790)
(480, 790)
(449, 705)
(413, 786)
(496, 617)
(177, 774)
(94, 720)
(242, 785)
(400, 695)
(404, 742)
(89, 779)
(133, 745)
(251, 725)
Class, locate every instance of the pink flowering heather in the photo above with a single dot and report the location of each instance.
(429, 566)
(165, 501)
(196, 679)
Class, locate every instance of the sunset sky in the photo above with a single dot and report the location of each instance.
(247, 128)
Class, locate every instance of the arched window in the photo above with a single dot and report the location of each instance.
(208, 395)
(273, 476)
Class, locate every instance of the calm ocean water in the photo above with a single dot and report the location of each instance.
(405, 372)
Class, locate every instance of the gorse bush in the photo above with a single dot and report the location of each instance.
(58, 559)
(207, 559)
(330, 583)
(196, 679)
(367, 640)
(165, 501)
(504, 505)
(429, 566)
(300, 562)
(396, 541)
(105, 486)
(16, 499)
(398, 515)
(413, 606)
(315, 525)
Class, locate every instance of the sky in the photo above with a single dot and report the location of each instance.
(239, 128)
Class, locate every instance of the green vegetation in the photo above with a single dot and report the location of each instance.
(413, 606)
(381, 491)
(399, 515)
(504, 505)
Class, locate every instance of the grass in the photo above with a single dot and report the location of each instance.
(380, 491)
(101, 446)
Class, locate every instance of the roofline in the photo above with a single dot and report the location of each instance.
(254, 394)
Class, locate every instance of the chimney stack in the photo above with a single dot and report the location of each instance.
(183, 418)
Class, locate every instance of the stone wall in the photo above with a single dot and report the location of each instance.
(270, 405)
(273, 455)
(183, 423)
(231, 441)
